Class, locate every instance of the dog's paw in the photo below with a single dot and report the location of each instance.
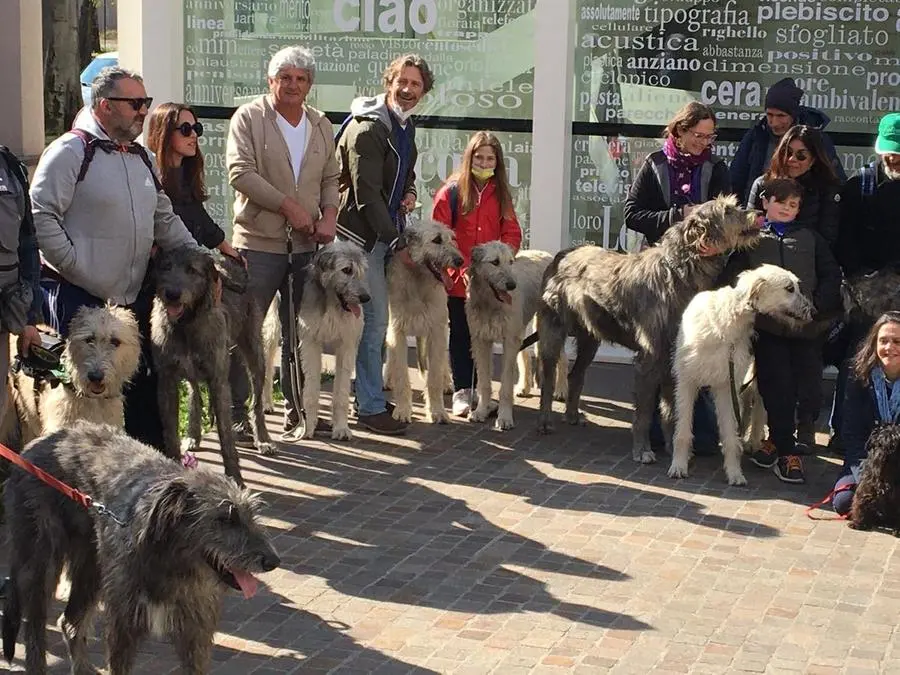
(736, 479)
(438, 417)
(522, 392)
(643, 456)
(678, 469)
(504, 423)
(402, 414)
(576, 419)
(560, 396)
(341, 433)
(189, 444)
(480, 414)
(545, 427)
(267, 449)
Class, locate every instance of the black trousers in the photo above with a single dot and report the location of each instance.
(461, 364)
(789, 372)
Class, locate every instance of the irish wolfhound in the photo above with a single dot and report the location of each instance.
(271, 338)
(417, 301)
(713, 349)
(330, 314)
(635, 300)
(188, 535)
(102, 353)
(191, 335)
(503, 295)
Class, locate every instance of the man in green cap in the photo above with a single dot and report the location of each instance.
(869, 231)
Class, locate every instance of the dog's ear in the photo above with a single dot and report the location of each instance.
(168, 511)
(324, 260)
(477, 255)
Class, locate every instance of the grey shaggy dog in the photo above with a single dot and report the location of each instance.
(635, 300)
(188, 536)
(868, 296)
(191, 336)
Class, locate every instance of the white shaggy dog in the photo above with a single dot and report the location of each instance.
(271, 337)
(101, 354)
(330, 313)
(503, 295)
(713, 349)
(417, 301)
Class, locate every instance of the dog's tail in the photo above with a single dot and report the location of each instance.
(12, 619)
(421, 355)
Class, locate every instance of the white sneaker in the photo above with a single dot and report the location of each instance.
(462, 401)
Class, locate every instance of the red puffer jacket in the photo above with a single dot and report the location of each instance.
(483, 224)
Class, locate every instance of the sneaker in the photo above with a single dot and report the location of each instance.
(790, 469)
(243, 436)
(766, 456)
(291, 420)
(388, 406)
(383, 423)
(462, 402)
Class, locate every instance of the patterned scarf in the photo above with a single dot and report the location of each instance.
(888, 405)
(684, 172)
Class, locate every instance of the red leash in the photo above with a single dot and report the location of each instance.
(75, 495)
(827, 499)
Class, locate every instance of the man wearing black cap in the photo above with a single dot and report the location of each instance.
(783, 110)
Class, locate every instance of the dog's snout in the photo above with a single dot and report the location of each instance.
(95, 376)
(510, 285)
(364, 297)
(457, 261)
(270, 561)
(173, 294)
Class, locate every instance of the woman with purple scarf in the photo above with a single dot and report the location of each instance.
(675, 180)
(670, 184)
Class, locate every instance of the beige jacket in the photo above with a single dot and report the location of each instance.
(259, 170)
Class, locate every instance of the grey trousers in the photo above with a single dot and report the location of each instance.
(268, 273)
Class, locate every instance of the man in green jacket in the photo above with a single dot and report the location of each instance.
(376, 153)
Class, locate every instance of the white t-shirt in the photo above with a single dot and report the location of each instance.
(295, 137)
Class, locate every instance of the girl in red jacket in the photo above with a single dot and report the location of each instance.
(476, 204)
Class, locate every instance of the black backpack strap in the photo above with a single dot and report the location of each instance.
(142, 151)
(90, 147)
(868, 179)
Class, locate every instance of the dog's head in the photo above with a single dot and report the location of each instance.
(717, 226)
(433, 246)
(868, 296)
(208, 523)
(185, 280)
(492, 265)
(340, 267)
(883, 455)
(775, 291)
(103, 350)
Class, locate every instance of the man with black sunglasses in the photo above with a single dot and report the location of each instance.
(98, 210)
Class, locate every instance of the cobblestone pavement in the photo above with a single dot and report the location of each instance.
(459, 549)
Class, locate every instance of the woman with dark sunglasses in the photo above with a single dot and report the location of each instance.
(172, 135)
(801, 155)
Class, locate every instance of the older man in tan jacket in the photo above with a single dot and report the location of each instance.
(281, 164)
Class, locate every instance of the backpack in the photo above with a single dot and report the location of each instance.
(453, 198)
(91, 143)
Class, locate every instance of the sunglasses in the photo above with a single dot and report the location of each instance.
(136, 103)
(799, 155)
(185, 128)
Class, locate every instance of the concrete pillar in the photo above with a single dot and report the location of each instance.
(21, 77)
(554, 50)
(150, 36)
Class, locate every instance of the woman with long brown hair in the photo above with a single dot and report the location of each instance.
(172, 135)
(801, 155)
(477, 204)
(872, 397)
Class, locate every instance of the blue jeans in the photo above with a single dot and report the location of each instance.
(706, 428)
(843, 498)
(370, 356)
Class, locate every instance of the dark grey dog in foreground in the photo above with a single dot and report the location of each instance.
(189, 535)
(876, 501)
(191, 337)
(635, 300)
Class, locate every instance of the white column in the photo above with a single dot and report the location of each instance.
(22, 103)
(151, 41)
(554, 53)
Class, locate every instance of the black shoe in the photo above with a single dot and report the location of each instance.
(243, 436)
(766, 456)
(790, 469)
(383, 423)
(291, 420)
(806, 438)
(389, 407)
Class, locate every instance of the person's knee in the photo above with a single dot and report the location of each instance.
(842, 499)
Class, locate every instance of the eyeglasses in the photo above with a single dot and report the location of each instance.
(186, 128)
(709, 138)
(799, 155)
(136, 103)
